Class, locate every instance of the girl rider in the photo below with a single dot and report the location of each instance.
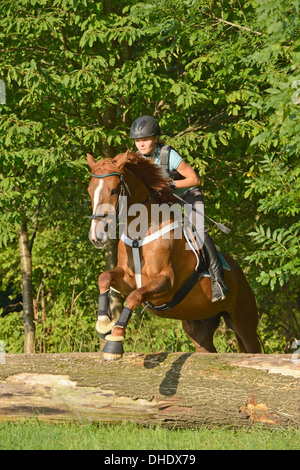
(146, 131)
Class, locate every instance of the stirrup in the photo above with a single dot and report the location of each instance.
(221, 294)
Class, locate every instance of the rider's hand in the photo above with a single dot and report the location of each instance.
(172, 184)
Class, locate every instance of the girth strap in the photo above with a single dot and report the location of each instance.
(136, 244)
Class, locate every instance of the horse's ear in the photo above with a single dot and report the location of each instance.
(121, 159)
(90, 160)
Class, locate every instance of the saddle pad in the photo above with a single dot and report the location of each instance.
(225, 265)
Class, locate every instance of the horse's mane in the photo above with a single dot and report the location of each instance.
(147, 171)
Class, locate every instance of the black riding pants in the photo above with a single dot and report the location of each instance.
(194, 197)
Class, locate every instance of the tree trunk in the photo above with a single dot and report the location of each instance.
(28, 310)
(172, 390)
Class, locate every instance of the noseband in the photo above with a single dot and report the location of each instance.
(123, 189)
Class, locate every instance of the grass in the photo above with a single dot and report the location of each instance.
(37, 435)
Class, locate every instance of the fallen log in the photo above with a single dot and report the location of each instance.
(172, 390)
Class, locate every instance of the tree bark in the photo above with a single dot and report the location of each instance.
(28, 310)
(172, 390)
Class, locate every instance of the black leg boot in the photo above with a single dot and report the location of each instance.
(215, 269)
(104, 322)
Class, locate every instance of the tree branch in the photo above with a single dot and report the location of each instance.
(220, 20)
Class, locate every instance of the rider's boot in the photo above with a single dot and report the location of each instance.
(215, 269)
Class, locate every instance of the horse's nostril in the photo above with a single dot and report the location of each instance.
(100, 238)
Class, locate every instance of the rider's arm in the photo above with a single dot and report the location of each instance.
(190, 177)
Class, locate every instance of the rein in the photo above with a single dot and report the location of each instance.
(107, 174)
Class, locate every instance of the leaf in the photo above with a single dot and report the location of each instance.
(273, 91)
(180, 100)
(176, 88)
(5, 183)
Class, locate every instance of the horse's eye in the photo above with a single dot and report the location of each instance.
(114, 191)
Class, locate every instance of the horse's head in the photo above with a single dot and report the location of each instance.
(104, 190)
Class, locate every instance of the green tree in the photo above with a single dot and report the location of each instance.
(275, 177)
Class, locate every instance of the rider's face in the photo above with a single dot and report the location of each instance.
(146, 145)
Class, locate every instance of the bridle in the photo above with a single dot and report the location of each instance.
(124, 187)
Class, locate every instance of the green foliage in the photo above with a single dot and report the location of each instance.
(153, 334)
(275, 177)
(281, 249)
(12, 332)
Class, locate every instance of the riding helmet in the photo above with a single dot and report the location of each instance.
(145, 126)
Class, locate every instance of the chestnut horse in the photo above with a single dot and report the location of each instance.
(152, 271)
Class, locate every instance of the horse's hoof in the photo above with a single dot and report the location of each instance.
(113, 349)
(111, 357)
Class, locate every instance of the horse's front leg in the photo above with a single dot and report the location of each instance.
(162, 283)
(106, 319)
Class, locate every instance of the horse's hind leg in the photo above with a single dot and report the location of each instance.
(244, 325)
(201, 332)
(230, 325)
(247, 340)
